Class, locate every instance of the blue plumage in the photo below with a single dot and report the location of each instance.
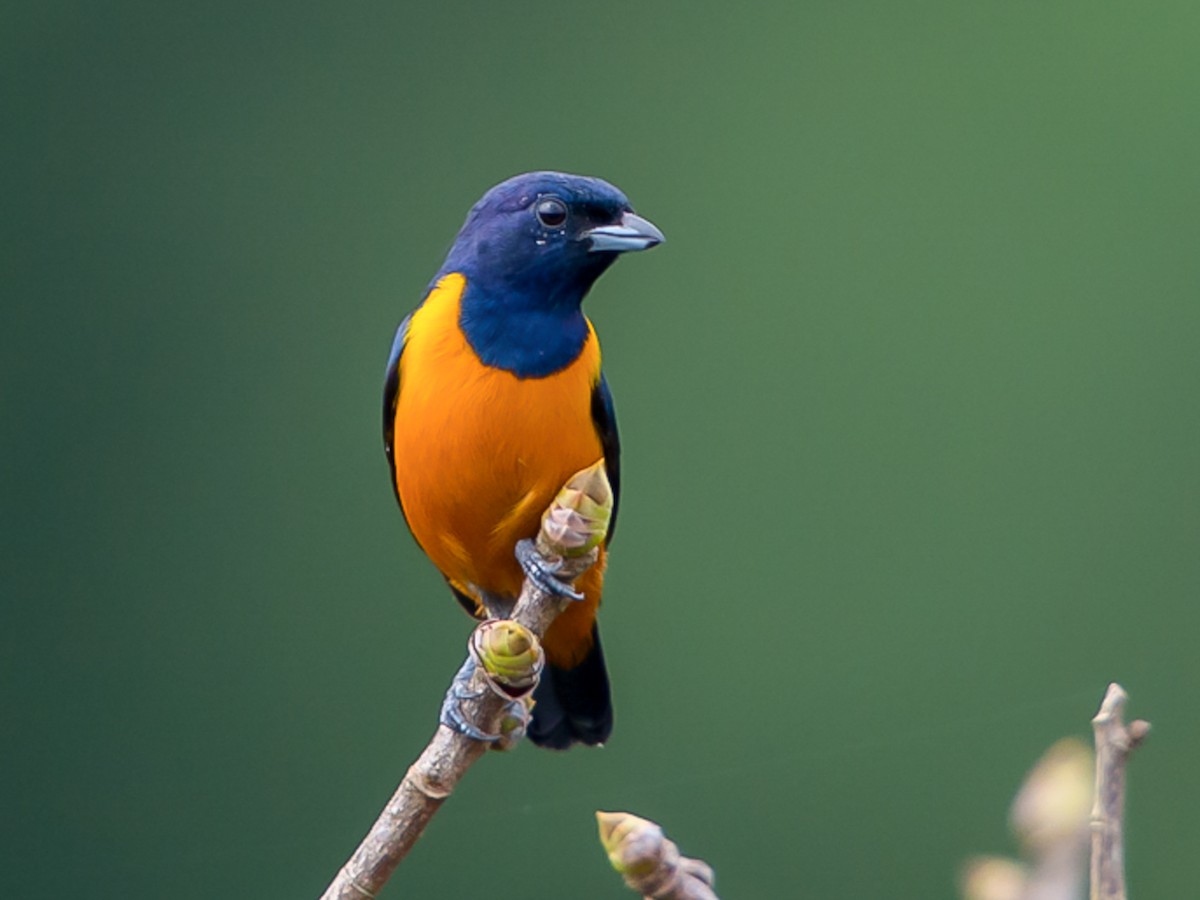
(527, 274)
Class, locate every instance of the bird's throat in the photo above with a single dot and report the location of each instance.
(530, 336)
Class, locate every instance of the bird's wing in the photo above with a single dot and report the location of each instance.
(605, 418)
(391, 390)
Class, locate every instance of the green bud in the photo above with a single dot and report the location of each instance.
(992, 878)
(509, 653)
(578, 518)
(513, 724)
(1054, 804)
(633, 844)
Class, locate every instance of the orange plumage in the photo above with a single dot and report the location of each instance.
(474, 474)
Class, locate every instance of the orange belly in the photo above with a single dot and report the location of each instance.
(480, 453)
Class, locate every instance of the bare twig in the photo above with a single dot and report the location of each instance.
(1114, 743)
(650, 862)
(572, 526)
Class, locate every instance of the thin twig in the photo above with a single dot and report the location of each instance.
(650, 862)
(571, 526)
(1114, 743)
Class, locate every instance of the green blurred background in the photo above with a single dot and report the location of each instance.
(909, 404)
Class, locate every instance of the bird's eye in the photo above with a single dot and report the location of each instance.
(551, 212)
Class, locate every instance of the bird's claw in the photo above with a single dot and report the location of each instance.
(452, 715)
(542, 572)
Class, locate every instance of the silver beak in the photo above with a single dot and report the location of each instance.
(631, 233)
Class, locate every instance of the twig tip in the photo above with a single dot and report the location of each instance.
(1110, 706)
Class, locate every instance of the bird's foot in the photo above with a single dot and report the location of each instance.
(513, 721)
(462, 690)
(543, 572)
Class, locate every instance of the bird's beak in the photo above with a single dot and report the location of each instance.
(631, 233)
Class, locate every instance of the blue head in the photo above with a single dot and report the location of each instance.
(530, 250)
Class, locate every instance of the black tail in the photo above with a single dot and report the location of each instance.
(573, 705)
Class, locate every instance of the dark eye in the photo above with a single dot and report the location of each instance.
(551, 212)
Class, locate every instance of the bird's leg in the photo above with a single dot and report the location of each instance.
(497, 606)
(542, 571)
(464, 687)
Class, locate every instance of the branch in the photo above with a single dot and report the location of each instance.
(1114, 743)
(650, 862)
(503, 665)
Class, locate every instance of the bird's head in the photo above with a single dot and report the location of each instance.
(542, 238)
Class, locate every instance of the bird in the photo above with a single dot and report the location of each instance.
(494, 396)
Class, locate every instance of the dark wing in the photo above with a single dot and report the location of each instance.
(605, 418)
(391, 390)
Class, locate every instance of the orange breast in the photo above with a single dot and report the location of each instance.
(480, 453)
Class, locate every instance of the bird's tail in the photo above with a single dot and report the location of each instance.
(573, 705)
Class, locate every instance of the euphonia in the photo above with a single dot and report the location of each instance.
(494, 397)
